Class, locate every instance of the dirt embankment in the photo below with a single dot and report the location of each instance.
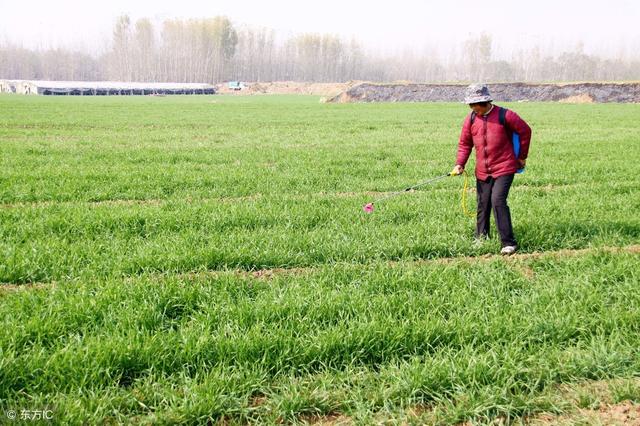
(506, 92)
(328, 90)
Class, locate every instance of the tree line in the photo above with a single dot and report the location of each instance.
(214, 50)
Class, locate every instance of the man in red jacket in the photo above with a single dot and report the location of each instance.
(490, 129)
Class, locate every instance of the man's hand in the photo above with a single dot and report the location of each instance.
(522, 163)
(457, 170)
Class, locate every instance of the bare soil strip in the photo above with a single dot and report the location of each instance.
(601, 410)
(252, 197)
(265, 274)
(515, 259)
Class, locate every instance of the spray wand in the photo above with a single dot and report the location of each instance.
(368, 208)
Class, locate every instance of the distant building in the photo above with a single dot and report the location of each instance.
(8, 86)
(102, 88)
(236, 85)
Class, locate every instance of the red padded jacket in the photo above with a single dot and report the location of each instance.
(492, 140)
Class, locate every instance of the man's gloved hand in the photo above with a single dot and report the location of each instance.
(457, 170)
(522, 163)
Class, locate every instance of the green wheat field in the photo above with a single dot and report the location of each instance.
(206, 259)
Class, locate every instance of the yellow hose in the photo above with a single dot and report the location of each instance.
(463, 199)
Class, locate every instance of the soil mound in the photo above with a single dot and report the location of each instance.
(505, 92)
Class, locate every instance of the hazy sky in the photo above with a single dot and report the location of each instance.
(605, 27)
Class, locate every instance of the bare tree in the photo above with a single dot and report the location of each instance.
(121, 50)
(144, 57)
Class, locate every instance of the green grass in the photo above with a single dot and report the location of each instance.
(139, 220)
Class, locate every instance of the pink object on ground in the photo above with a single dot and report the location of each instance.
(368, 208)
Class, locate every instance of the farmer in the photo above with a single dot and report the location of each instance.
(490, 129)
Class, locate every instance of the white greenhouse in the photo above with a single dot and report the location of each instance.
(97, 88)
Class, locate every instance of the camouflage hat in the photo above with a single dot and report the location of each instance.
(477, 93)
